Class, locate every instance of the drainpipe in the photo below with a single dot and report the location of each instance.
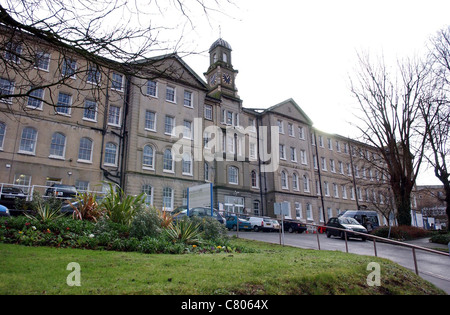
(261, 194)
(320, 180)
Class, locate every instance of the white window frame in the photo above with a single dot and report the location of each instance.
(117, 118)
(46, 57)
(61, 105)
(114, 81)
(55, 156)
(171, 91)
(95, 111)
(151, 88)
(284, 179)
(172, 165)
(189, 99)
(116, 153)
(91, 151)
(233, 175)
(165, 196)
(147, 120)
(32, 141)
(147, 166)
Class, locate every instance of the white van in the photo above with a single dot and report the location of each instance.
(262, 224)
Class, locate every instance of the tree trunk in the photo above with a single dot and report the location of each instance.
(403, 205)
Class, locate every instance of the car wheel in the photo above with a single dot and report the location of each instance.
(342, 235)
(234, 228)
(256, 228)
(291, 230)
(328, 234)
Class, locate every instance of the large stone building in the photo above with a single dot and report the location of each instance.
(166, 129)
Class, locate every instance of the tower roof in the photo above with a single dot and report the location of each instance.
(220, 42)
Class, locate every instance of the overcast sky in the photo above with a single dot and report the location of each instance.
(306, 50)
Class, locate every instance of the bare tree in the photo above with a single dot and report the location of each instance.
(436, 112)
(105, 34)
(390, 113)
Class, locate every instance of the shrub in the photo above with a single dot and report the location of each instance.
(402, 232)
(440, 238)
(147, 222)
(211, 228)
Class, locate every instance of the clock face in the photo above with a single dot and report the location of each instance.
(227, 78)
(212, 79)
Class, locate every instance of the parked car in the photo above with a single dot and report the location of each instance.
(293, 226)
(262, 224)
(346, 223)
(61, 191)
(9, 195)
(178, 210)
(199, 212)
(4, 212)
(367, 218)
(276, 226)
(231, 224)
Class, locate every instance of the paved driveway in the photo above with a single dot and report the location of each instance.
(432, 267)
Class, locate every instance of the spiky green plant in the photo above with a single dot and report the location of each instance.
(184, 231)
(121, 208)
(45, 213)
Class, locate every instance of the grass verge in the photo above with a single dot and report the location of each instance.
(271, 269)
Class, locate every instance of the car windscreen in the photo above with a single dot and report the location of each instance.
(344, 220)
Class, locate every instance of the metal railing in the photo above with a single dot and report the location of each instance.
(389, 241)
(374, 239)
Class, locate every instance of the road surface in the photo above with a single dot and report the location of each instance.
(432, 267)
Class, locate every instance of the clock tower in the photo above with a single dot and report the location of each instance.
(221, 75)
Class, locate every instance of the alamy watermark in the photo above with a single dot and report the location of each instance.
(74, 278)
(374, 278)
(214, 143)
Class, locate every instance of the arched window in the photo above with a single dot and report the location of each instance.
(295, 181)
(28, 140)
(305, 183)
(58, 145)
(284, 180)
(111, 154)
(254, 179)
(148, 157)
(233, 175)
(168, 161)
(187, 164)
(85, 150)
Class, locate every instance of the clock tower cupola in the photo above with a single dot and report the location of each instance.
(221, 75)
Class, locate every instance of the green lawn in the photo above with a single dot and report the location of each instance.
(272, 269)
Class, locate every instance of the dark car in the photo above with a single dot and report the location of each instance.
(178, 210)
(61, 191)
(4, 212)
(293, 226)
(199, 212)
(346, 223)
(9, 195)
